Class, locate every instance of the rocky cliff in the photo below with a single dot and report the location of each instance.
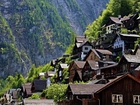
(37, 31)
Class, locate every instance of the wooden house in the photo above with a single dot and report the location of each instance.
(60, 71)
(38, 85)
(113, 23)
(82, 94)
(104, 41)
(131, 22)
(124, 43)
(82, 47)
(26, 90)
(127, 64)
(99, 54)
(123, 90)
(75, 71)
(90, 69)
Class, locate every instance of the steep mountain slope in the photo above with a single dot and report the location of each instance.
(37, 31)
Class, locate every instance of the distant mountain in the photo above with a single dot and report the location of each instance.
(37, 31)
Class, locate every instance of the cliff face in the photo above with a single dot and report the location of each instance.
(37, 31)
(79, 13)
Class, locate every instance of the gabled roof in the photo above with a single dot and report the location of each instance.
(132, 58)
(39, 85)
(26, 86)
(78, 45)
(116, 20)
(15, 94)
(115, 81)
(81, 39)
(97, 51)
(122, 36)
(125, 18)
(84, 89)
(93, 64)
(103, 51)
(80, 64)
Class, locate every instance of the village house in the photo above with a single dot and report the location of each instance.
(38, 85)
(99, 54)
(123, 90)
(113, 23)
(131, 22)
(61, 67)
(82, 47)
(75, 71)
(104, 41)
(124, 43)
(26, 90)
(90, 69)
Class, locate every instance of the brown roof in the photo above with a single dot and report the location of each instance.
(80, 64)
(80, 74)
(116, 20)
(93, 50)
(125, 18)
(81, 39)
(93, 64)
(103, 51)
(132, 58)
(27, 85)
(84, 89)
(15, 94)
(113, 81)
(27, 88)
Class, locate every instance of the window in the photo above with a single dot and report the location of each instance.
(117, 98)
(86, 48)
(136, 99)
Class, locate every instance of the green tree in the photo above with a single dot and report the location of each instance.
(57, 92)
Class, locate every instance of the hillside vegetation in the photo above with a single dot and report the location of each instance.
(114, 8)
(37, 31)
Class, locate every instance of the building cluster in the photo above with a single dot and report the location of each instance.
(110, 66)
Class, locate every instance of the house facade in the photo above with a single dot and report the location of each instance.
(123, 90)
(75, 71)
(124, 43)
